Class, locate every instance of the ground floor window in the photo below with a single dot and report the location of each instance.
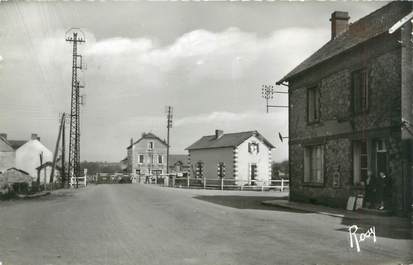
(221, 170)
(199, 169)
(360, 162)
(314, 164)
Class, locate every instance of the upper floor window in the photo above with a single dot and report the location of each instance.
(253, 148)
(313, 104)
(360, 91)
(141, 159)
(314, 164)
(150, 145)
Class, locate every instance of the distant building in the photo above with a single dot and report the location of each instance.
(7, 154)
(25, 155)
(244, 157)
(179, 164)
(350, 111)
(146, 156)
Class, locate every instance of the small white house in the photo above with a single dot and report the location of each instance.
(244, 157)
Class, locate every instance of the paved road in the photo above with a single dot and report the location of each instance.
(143, 224)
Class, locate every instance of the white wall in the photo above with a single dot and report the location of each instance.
(262, 159)
(28, 157)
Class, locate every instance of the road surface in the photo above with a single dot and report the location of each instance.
(145, 224)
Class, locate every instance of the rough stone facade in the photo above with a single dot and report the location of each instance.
(338, 127)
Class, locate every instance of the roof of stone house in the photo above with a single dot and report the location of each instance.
(173, 159)
(148, 136)
(366, 28)
(226, 140)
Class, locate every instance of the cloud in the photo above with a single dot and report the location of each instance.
(1, 58)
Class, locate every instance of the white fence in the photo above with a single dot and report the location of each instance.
(222, 183)
(80, 180)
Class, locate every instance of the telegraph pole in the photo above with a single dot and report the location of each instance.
(74, 138)
(169, 111)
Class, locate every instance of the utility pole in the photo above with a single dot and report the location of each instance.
(169, 112)
(74, 138)
(268, 92)
(63, 172)
(62, 121)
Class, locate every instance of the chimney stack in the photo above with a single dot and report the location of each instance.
(339, 23)
(131, 141)
(4, 135)
(218, 134)
(34, 136)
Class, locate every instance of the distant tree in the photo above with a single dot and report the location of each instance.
(95, 167)
(276, 167)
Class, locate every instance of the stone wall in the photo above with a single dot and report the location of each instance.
(338, 127)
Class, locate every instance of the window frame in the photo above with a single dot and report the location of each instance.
(160, 159)
(364, 100)
(139, 159)
(315, 102)
(367, 155)
(309, 178)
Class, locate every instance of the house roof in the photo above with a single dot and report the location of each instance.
(173, 159)
(148, 136)
(16, 143)
(226, 140)
(366, 28)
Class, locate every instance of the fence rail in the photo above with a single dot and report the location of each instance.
(222, 183)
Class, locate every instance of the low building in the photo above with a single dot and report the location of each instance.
(146, 156)
(179, 164)
(350, 112)
(7, 154)
(244, 157)
(26, 155)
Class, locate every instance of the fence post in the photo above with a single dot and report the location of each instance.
(282, 184)
(204, 183)
(222, 183)
(187, 181)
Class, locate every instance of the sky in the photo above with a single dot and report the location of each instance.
(208, 60)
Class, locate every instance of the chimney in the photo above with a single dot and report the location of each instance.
(131, 141)
(3, 135)
(34, 136)
(339, 23)
(218, 134)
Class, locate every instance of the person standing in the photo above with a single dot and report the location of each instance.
(383, 190)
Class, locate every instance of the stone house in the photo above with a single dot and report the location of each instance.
(146, 156)
(244, 157)
(350, 111)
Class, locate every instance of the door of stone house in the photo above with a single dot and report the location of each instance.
(253, 171)
(381, 157)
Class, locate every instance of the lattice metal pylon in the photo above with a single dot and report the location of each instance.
(74, 138)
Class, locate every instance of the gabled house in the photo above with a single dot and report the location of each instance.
(26, 155)
(146, 156)
(350, 111)
(244, 157)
